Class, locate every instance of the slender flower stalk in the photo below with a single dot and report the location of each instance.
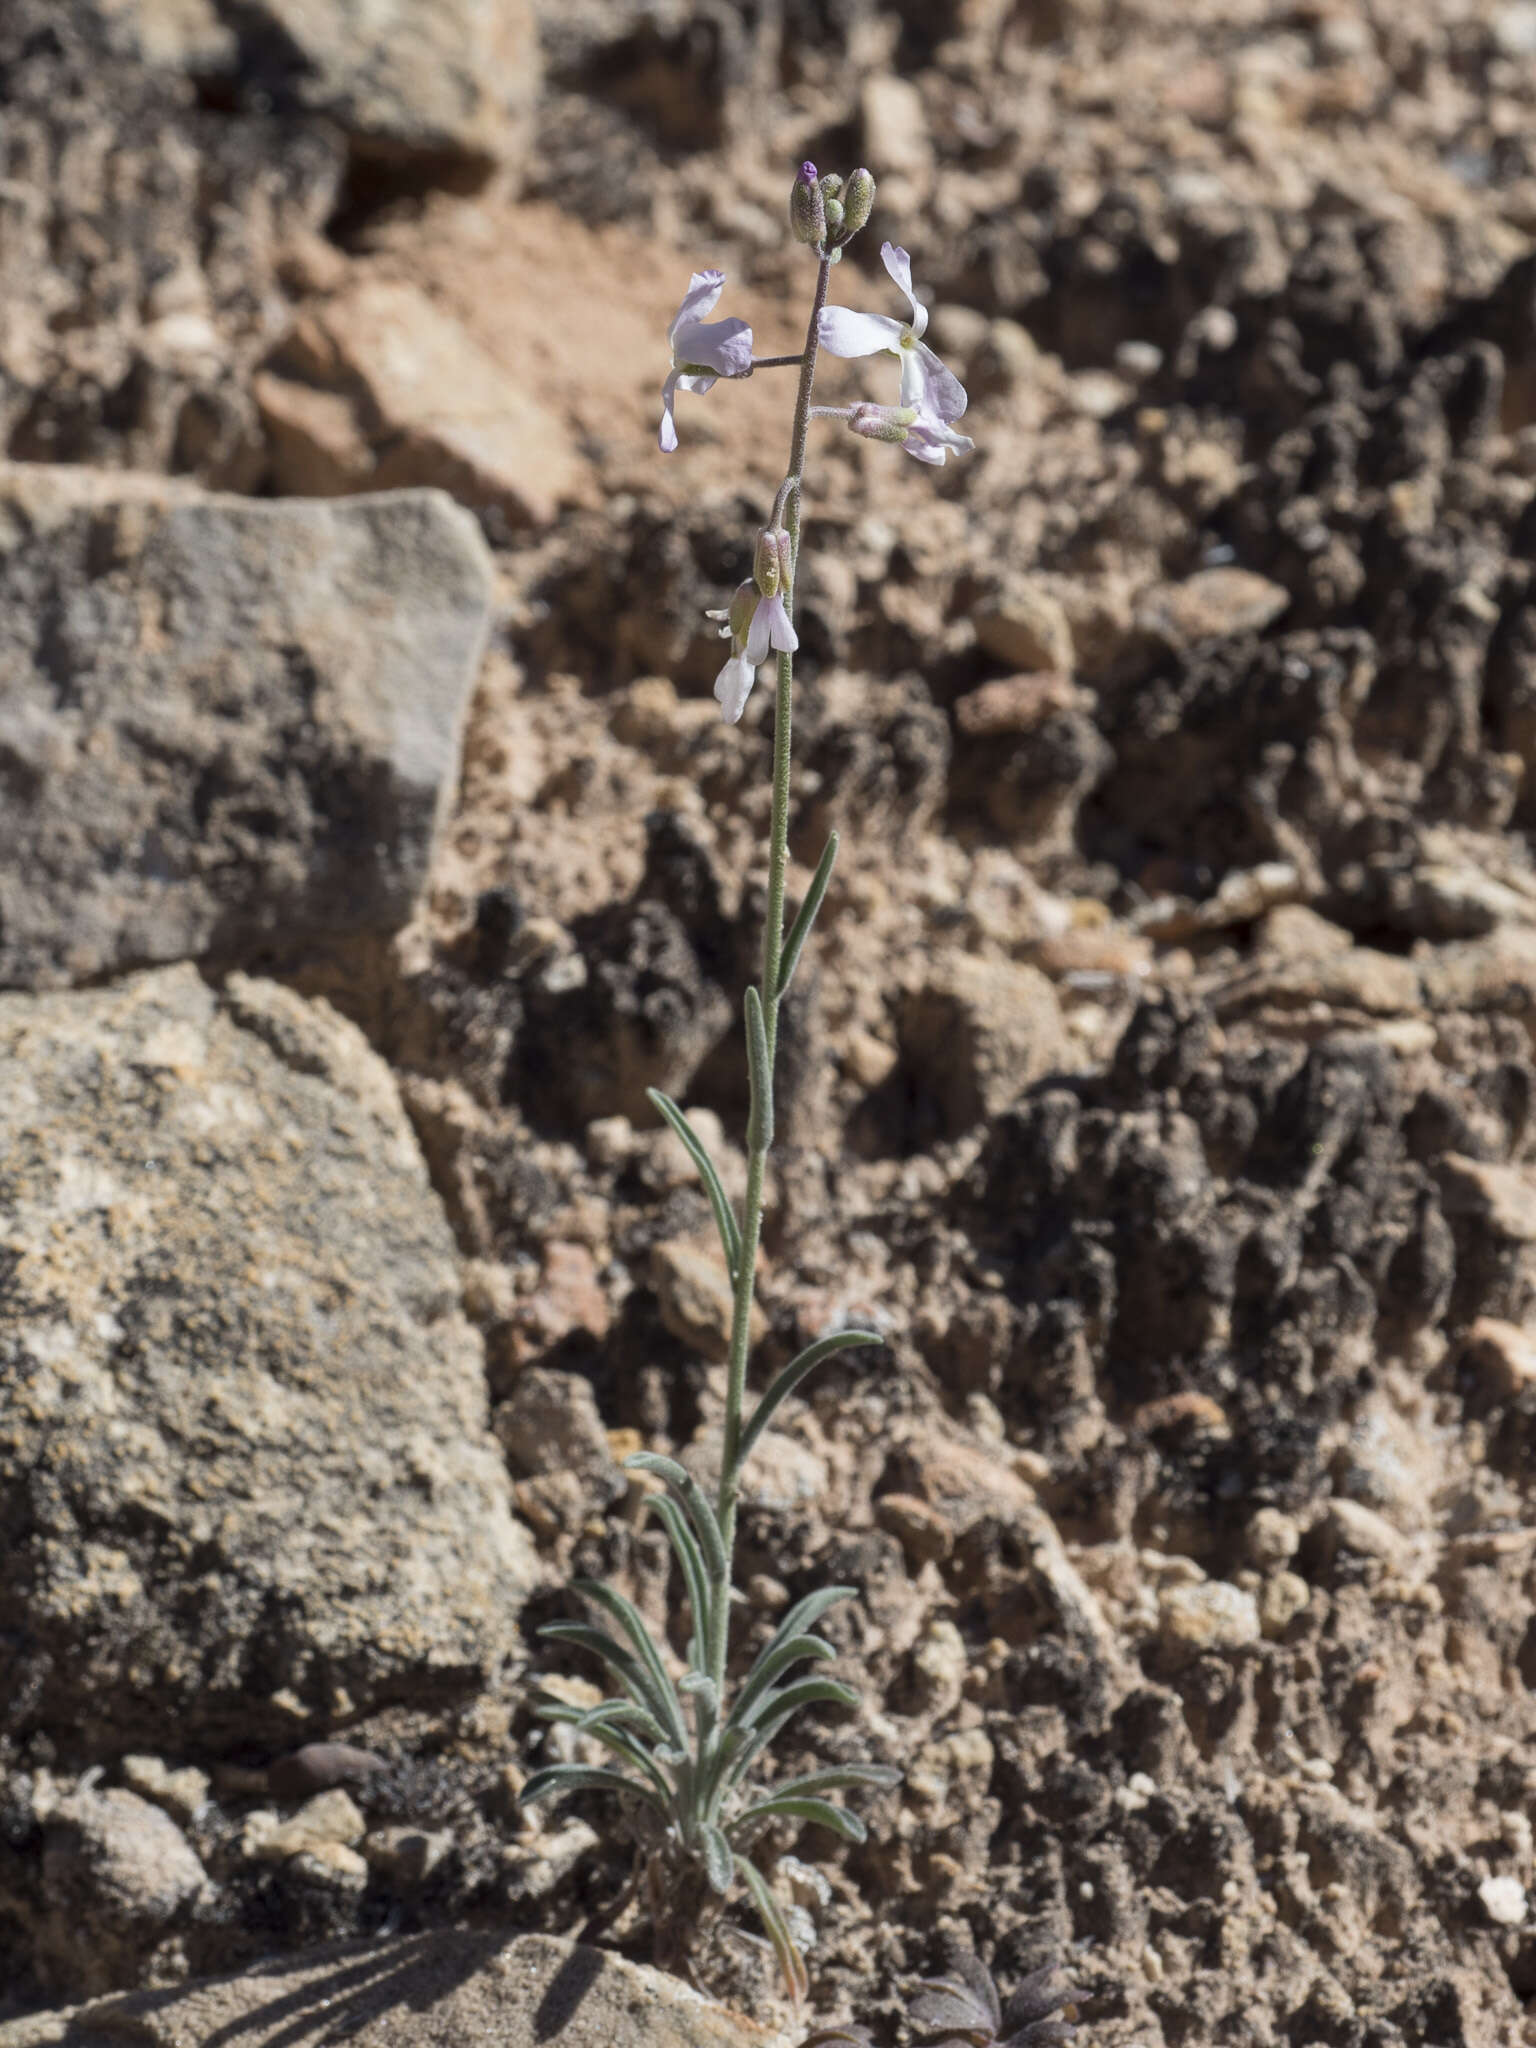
(773, 960)
(686, 1749)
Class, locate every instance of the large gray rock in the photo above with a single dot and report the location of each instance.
(224, 726)
(444, 87)
(474, 1990)
(245, 1471)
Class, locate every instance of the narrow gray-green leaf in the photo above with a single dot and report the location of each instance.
(630, 1673)
(627, 1615)
(584, 1778)
(774, 1661)
(696, 1504)
(693, 1144)
(771, 1913)
(760, 1073)
(771, 1716)
(633, 1751)
(785, 1381)
(838, 1778)
(685, 1548)
(719, 1863)
(805, 916)
(821, 1811)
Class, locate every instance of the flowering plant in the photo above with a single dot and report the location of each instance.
(686, 1750)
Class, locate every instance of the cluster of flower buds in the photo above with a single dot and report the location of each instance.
(826, 212)
(756, 621)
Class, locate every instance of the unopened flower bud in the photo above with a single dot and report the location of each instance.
(765, 562)
(832, 186)
(882, 422)
(807, 209)
(858, 201)
(834, 211)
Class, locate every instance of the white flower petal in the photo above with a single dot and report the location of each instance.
(932, 440)
(733, 686)
(724, 346)
(898, 267)
(687, 382)
(928, 385)
(760, 632)
(842, 333)
(668, 434)
(704, 289)
(781, 634)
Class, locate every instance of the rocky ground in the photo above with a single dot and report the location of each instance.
(1162, 1084)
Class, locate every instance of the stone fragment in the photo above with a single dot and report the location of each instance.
(940, 1664)
(227, 726)
(895, 121)
(331, 1867)
(116, 1872)
(277, 1491)
(447, 88)
(1271, 1538)
(182, 1794)
(408, 1856)
(693, 1292)
(1214, 1615)
(1502, 1356)
(1282, 1597)
(1014, 704)
(319, 1766)
(1503, 1900)
(380, 388)
(1347, 1526)
(975, 1034)
(921, 1530)
(550, 1423)
(1212, 604)
(1501, 1197)
(328, 1817)
(1027, 628)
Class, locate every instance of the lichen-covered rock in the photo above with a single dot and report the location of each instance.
(243, 1445)
(226, 728)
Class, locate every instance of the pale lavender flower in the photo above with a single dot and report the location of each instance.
(933, 391)
(702, 350)
(930, 440)
(755, 625)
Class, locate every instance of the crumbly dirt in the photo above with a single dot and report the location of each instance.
(1161, 1081)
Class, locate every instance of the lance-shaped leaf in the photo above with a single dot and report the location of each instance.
(634, 1752)
(838, 1778)
(685, 1548)
(773, 1713)
(822, 1811)
(701, 1689)
(558, 1778)
(771, 1913)
(630, 1673)
(627, 1615)
(719, 1863)
(773, 1663)
(785, 1381)
(693, 1144)
(696, 1504)
(805, 916)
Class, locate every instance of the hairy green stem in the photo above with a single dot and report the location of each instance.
(788, 508)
